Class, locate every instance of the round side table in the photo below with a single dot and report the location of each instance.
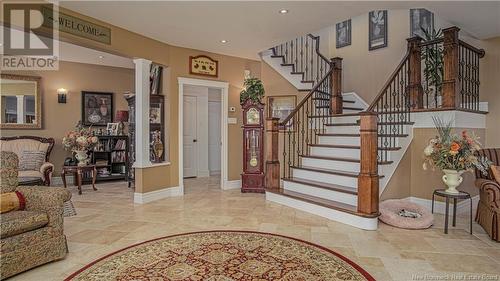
(454, 196)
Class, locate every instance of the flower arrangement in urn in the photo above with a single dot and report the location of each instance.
(80, 141)
(453, 154)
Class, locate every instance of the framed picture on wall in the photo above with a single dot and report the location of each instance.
(420, 20)
(281, 107)
(343, 34)
(377, 29)
(155, 79)
(97, 108)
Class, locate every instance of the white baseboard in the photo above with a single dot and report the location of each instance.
(440, 206)
(142, 198)
(232, 185)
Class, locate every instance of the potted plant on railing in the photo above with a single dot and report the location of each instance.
(453, 154)
(433, 57)
(80, 141)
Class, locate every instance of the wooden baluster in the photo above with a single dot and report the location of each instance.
(368, 197)
(272, 160)
(415, 77)
(336, 85)
(451, 83)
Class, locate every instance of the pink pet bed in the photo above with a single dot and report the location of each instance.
(405, 214)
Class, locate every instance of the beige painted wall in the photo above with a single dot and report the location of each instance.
(75, 77)
(411, 180)
(363, 71)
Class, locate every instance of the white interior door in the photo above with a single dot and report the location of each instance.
(189, 136)
(214, 137)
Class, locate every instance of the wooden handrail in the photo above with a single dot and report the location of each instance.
(432, 42)
(478, 51)
(304, 100)
(386, 85)
(316, 38)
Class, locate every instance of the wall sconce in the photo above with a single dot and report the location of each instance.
(61, 95)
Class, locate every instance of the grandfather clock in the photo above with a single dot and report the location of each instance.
(252, 179)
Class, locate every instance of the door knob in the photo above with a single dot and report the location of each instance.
(195, 140)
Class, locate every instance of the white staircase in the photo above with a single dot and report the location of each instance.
(324, 179)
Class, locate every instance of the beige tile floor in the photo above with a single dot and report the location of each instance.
(108, 220)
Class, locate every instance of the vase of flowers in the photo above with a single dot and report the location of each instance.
(453, 154)
(80, 141)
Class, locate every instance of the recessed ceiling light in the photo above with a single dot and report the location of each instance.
(101, 56)
(223, 41)
(283, 11)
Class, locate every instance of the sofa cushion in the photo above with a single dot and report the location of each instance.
(8, 171)
(31, 160)
(19, 145)
(495, 170)
(25, 176)
(18, 222)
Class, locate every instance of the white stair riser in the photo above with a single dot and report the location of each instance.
(325, 178)
(331, 164)
(342, 197)
(350, 110)
(335, 152)
(342, 129)
(285, 71)
(345, 119)
(331, 214)
(339, 140)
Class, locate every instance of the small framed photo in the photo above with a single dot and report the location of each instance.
(281, 107)
(112, 129)
(343, 34)
(420, 20)
(377, 29)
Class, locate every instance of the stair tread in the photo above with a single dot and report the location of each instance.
(276, 56)
(307, 81)
(341, 159)
(343, 207)
(353, 108)
(329, 186)
(327, 171)
(351, 146)
(357, 135)
(341, 124)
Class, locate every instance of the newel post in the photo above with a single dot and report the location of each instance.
(451, 84)
(272, 180)
(416, 92)
(368, 197)
(336, 84)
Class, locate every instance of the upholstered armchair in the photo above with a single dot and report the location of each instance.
(488, 209)
(28, 147)
(33, 236)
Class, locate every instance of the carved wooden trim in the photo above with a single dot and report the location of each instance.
(451, 84)
(50, 141)
(38, 102)
(336, 84)
(272, 180)
(415, 75)
(368, 180)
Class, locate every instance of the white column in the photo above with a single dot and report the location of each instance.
(142, 70)
(20, 109)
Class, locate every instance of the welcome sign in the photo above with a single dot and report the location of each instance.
(77, 26)
(203, 65)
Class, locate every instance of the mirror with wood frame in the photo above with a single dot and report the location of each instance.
(20, 102)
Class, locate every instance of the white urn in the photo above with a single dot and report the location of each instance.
(452, 179)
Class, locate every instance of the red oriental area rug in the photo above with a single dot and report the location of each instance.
(223, 256)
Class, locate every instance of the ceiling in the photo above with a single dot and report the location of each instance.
(253, 26)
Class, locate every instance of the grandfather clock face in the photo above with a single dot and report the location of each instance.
(253, 116)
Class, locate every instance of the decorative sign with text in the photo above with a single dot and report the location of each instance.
(77, 26)
(203, 65)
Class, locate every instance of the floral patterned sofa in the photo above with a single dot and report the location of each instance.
(488, 209)
(32, 144)
(33, 236)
